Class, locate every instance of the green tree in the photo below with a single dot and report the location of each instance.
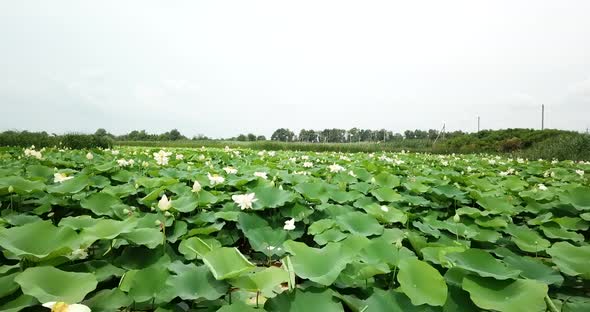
(283, 135)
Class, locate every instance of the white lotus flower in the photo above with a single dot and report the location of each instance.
(271, 153)
(230, 170)
(260, 174)
(351, 173)
(60, 177)
(179, 156)
(196, 187)
(308, 164)
(161, 157)
(289, 225)
(125, 163)
(580, 173)
(145, 163)
(335, 168)
(64, 307)
(89, 156)
(33, 153)
(244, 201)
(215, 179)
(164, 204)
(384, 208)
(115, 152)
(78, 254)
(305, 157)
(542, 187)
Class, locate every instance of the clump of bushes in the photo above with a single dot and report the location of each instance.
(43, 139)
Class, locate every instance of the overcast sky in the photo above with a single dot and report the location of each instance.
(222, 68)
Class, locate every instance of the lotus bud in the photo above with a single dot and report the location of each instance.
(456, 218)
(10, 189)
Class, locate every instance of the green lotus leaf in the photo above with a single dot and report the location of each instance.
(150, 237)
(422, 283)
(146, 284)
(186, 203)
(571, 260)
(554, 231)
(509, 296)
(18, 304)
(239, 307)
(319, 265)
(387, 180)
(101, 269)
(316, 191)
(226, 263)
(329, 236)
(21, 185)
(71, 186)
(530, 268)
(307, 300)
(527, 239)
(51, 284)
(263, 280)
(497, 205)
(7, 284)
(27, 240)
(359, 223)
(108, 300)
(382, 300)
(385, 194)
(381, 251)
(482, 263)
(271, 197)
(100, 203)
(578, 197)
(192, 282)
(194, 247)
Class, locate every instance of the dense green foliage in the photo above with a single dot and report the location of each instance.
(43, 139)
(213, 229)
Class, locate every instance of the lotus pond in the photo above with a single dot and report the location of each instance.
(141, 229)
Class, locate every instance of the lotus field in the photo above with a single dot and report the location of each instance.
(208, 229)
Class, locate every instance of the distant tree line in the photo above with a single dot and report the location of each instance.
(357, 135)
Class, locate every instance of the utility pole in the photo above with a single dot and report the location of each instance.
(478, 124)
(542, 116)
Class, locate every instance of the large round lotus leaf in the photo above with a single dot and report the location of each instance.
(449, 191)
(379, 250)
(150, 237)
(263, 280)
(422, 283)
(527, 239)
(385, 194)
(26, 240)
(226, 262)
(196, 246)
(317, 191)
(438, 254)
(271, 197)
(388, 300)
(387, 180)
(106, 229)
(147, 283)
(186, 203)
(108, 300)
(320, 226)
(18, 304)
(100, 203)
(299, 301)
(51, 284)
(192, 282)
(329, 236)
(341, 197)
(506, 296)
(7, 284)
(458, 300)
(554, 231)
(570, 259)
(482, 263)
(266, 240)
(21, 185)
(386, 214)
(530, 268)
(71, 186)
(359, 223)
(319, 265)
(239, 307)
(578, 197)
(497, 205)
(102, 269)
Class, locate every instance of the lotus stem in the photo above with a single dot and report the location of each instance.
(550, 304)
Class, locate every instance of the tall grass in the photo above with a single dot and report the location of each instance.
(42, 139)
